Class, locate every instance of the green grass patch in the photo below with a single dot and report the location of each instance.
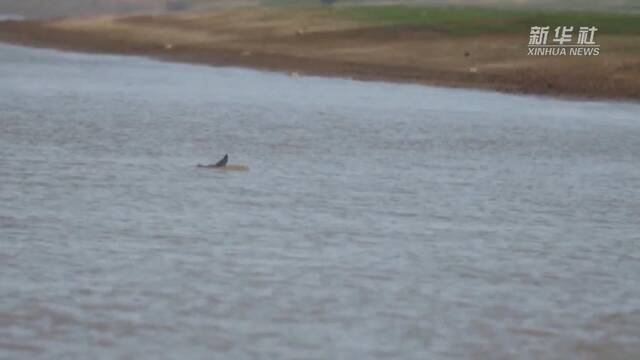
(467, 20)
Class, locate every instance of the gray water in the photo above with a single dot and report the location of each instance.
(4, 17)
(377, 221)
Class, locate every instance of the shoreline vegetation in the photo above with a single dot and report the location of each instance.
(447, 46)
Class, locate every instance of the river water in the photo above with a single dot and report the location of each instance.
(4, 17)
(377, 221)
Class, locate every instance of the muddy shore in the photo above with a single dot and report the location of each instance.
(297, 42)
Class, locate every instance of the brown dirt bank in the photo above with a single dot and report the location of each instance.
(295, 41)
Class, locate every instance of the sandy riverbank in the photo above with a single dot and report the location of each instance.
(324, 42)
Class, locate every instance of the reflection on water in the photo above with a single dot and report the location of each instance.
(376, 221)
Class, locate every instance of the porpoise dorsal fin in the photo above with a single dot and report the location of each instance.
(223, 161)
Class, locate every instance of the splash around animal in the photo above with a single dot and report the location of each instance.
(224, 165)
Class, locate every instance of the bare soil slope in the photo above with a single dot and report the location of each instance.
(321, 42)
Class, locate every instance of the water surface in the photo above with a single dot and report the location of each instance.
(4, 17)
(377, 221)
